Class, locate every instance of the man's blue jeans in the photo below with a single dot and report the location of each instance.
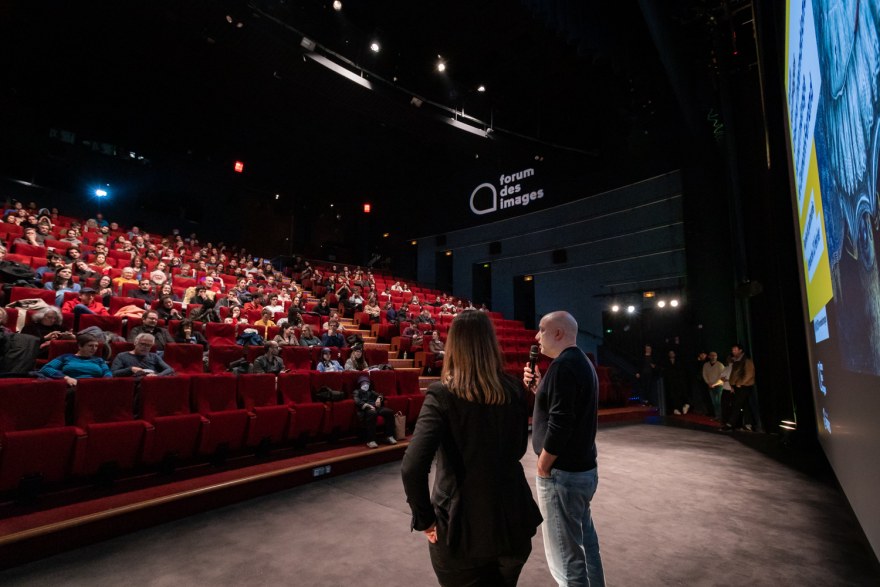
(570, 540)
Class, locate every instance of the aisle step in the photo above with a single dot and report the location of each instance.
(401, 363)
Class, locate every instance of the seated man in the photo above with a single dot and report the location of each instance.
(265, 322)
(416, 335)
(270, 361)
(151, 326)
(274, 305)
(369, 406)
(140, 362)
(144, 292)
(85, 303)
(333, 338)
(425, 317)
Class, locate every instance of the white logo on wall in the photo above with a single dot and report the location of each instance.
(511, 191)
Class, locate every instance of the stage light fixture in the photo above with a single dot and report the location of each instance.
(441, 65)
(630, 309)
(386, 234)
(101, 193)
(661, 304)
(367, 208)
(374, 47)
(238, 167)
(413, 243)
(337, 5)
(615, 308)
(307, 44)
(674, 303)
(481, 89)
(448, 253)
(277, 196)
(415, 102)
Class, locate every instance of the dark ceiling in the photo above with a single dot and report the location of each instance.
(579, 85)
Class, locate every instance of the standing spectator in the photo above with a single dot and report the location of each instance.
(712, 370)
(564, 437)
(474, 424)
(742, 381)
(675, 382)
(647, 370)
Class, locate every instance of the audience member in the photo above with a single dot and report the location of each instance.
(742, 383)
(62, 282)
(675, 383)
(188, 335)
(287, 336)
(144, 292)
(332, 338)
(81, 365)
(141, 361)
(369, 405)
(45, 325)
(265, 322)
(356, 360)
(327, 363)
(151, 326)
(167, 311)
(306, 338)
(436, 346)
(712, 370)
(270, 361)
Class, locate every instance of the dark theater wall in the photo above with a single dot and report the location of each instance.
(617, 244)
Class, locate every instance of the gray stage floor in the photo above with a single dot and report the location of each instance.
(674, 507)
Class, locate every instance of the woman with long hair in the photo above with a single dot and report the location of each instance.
(481, 517)
(62, 282)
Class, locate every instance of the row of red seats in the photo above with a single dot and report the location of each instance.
(180, 417)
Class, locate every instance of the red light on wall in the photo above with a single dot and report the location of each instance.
(239, 167)
(367, 208)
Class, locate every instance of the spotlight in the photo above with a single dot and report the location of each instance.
(661, 304)
(482, 88)
(374, 47)
(615, 308)
(413, 243)
(386, 234)
(441, 66)
(307, 44)
(674, 303)
(277, 196)
(337, 5)
(415, 102)
(630, 309)
(101, 193)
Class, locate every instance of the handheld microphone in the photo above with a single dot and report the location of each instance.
(533, 359)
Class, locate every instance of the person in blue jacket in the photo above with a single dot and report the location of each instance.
(80, 365)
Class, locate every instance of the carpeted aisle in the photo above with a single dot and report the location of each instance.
(674, 507)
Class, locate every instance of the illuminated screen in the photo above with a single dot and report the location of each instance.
(833, 99)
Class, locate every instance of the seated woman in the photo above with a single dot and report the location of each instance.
(265, 322)
(81, 365)
(294, 317)
(373, 310)
(435, 345)
(100, 264)
(187, 335)
(167, 290)
(105, 290)
(327, 364)
(62, 282)
(46, 326)
(306, 338)
(235, 316)
(356, 361)
(127, 277)
(287, 337)
(167, 311)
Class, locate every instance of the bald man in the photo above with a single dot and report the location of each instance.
(564, 438)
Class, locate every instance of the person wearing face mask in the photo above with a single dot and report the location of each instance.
(369, 406)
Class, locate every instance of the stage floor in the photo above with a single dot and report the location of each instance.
(675, 506)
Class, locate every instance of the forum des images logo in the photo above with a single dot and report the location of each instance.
(512, 190)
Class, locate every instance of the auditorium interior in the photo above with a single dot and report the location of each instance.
(683, 178)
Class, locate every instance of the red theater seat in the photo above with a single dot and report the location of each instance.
(408, 385)
(34, 442)
(104, 409)
(214, 397)
(220, 334)
(165, 404)
(117, 302)
(105, 323)
(296, 358)
(219, 357)
(185, 359)
(385, 383)
(309, 418)
(341, 417)
(259, 395)
(24, 293)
